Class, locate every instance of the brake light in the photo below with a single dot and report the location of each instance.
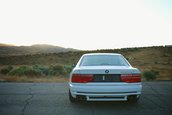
(82, 78)
(131, 78)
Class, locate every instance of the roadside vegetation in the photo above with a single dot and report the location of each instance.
(150, 75)
(36, 73)
(155, 63)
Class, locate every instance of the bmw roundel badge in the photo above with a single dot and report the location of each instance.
(106, 71)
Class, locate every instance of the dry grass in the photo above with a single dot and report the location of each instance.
(32, 79)
(151, 58)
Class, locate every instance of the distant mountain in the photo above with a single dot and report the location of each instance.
(8, 49)
(1, 44)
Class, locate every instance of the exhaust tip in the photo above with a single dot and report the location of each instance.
(81, 97)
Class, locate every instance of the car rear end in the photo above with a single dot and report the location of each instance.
(105, 82)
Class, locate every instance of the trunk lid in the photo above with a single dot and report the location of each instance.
(105, 70)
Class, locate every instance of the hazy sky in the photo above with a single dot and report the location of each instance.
(86, 24)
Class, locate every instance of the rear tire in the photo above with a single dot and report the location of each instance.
(72, 99)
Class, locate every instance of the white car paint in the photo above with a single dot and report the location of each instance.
(104, 91)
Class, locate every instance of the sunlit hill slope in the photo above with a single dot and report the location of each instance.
(145, 58)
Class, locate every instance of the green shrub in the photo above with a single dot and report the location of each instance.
(42, 70)
(6, 70)
(150, 75)
(56, 70)
(68, 69)
(24, 71)
(37, 70)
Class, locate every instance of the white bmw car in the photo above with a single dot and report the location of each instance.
(104, 77)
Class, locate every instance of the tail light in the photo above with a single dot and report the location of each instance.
(131, 78)
(82, 78)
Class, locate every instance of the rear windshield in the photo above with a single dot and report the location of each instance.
(103, 60)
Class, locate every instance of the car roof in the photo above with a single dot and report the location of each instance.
(101, 54)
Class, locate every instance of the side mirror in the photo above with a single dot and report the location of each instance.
(73, 65)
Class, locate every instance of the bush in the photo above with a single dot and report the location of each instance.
(40, 69)
(150, 75)
(24, 70)
(37, 70)
(68, 69)
(57, 70)
(6, 70)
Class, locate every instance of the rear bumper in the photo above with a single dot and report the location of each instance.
(105, 91)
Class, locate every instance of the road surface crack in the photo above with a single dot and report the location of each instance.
(27, 101)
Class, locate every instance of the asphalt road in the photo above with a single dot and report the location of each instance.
(52, 99)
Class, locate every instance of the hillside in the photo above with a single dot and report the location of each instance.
(1, 44)
(7, 49)
(146, 58)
